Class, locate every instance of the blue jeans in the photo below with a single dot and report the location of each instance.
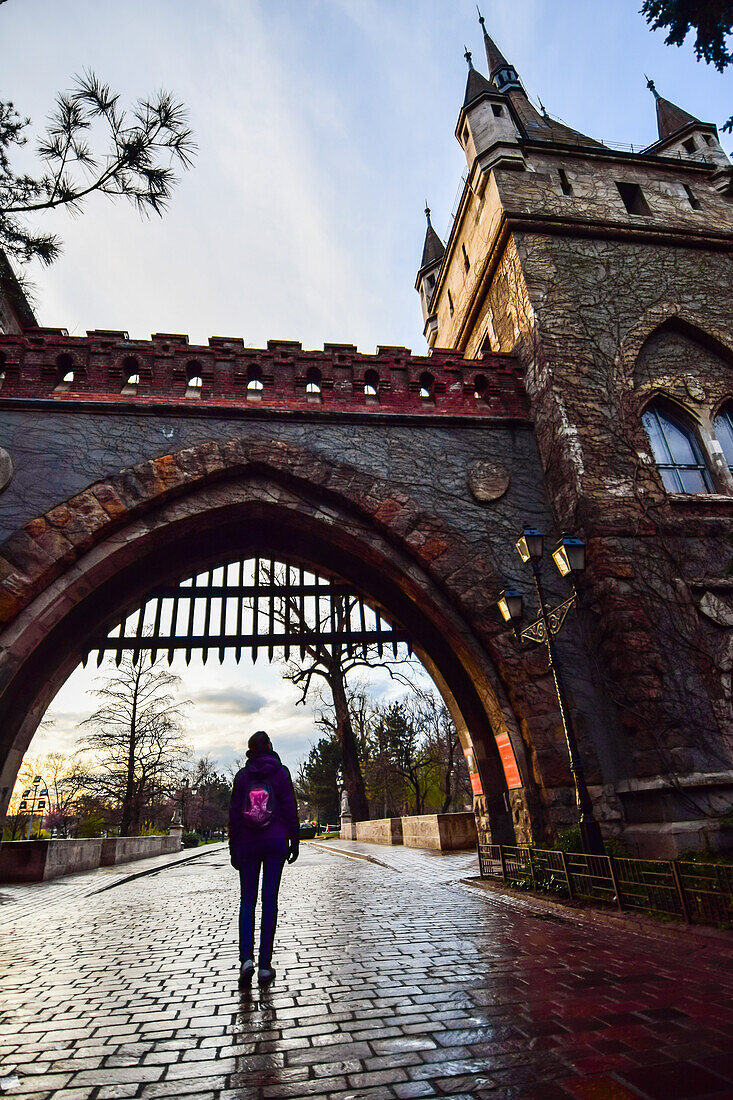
(270, 856)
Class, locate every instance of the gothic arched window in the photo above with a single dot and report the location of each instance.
(723, 425)
(676, 451)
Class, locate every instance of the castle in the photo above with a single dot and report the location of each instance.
(608, 272)
(580, 379)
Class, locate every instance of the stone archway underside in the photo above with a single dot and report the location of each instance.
(68, 571)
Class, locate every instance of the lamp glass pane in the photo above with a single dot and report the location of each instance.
(560, 558)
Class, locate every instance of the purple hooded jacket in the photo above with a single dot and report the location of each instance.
(244, 840)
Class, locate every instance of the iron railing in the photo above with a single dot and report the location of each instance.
(699, 893)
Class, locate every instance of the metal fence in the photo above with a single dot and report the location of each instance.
(699, 893)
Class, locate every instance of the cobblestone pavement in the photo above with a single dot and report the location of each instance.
(394, 980)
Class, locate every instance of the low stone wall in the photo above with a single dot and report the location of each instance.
(40, 860)
(386, 830)
(125, 849)
(440, 832)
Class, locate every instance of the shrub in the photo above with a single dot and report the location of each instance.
(91, 826)
(191, 840)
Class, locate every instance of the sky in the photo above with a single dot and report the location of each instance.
(322, 128)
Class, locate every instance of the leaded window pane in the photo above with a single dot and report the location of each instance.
(656, 437)
(693, 481)
(677, 454)
(671, 480)
(724, 431)
(680, 445)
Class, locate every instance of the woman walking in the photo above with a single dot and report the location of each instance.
(263, 834)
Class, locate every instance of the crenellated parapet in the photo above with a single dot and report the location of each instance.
(106, 367)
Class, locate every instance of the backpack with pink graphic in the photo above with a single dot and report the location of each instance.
(259, 803)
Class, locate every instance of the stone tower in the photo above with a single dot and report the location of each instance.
(608, 272)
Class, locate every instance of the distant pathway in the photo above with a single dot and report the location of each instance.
(393, 981)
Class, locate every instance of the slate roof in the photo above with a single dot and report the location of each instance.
(494, 57)
(538, 127)
(433, 249)
(671, 118)
(476, 85)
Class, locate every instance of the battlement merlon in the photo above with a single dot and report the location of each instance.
(107, 370)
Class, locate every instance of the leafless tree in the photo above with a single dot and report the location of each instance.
(135, 739)
(332, 664)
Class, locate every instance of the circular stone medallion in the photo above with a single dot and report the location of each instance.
(488, 481)
(6, 469)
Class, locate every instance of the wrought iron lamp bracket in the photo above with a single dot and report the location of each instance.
(556, 617)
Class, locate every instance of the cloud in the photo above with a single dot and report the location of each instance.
(230, 700)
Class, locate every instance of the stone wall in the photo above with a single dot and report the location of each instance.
(248, 381)
(387, 830)
(40, 860)
(126, 849)
(440, 832)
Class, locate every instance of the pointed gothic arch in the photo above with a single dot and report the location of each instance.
(66, 573)
(672, 317)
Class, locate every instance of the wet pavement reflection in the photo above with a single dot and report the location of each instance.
(393, 980)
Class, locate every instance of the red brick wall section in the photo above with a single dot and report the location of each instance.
(34, 365)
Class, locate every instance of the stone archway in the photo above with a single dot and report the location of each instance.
(71, 570)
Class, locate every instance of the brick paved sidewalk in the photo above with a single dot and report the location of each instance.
(393, 981)
(17, 900)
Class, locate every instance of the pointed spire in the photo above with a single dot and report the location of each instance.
(670, 117)
(433, 249)
(501, 72)
(476, 83)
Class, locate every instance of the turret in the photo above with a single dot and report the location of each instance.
(432, 257)
(487, 129)
(682, 135)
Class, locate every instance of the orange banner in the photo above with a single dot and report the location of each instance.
(509, 761)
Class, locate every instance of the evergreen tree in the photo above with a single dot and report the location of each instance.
(317, 781)
(91, 145)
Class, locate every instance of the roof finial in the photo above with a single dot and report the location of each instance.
(481, 19)
(427, 212)
(651, 86)
(468, 55)
(543, 108)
